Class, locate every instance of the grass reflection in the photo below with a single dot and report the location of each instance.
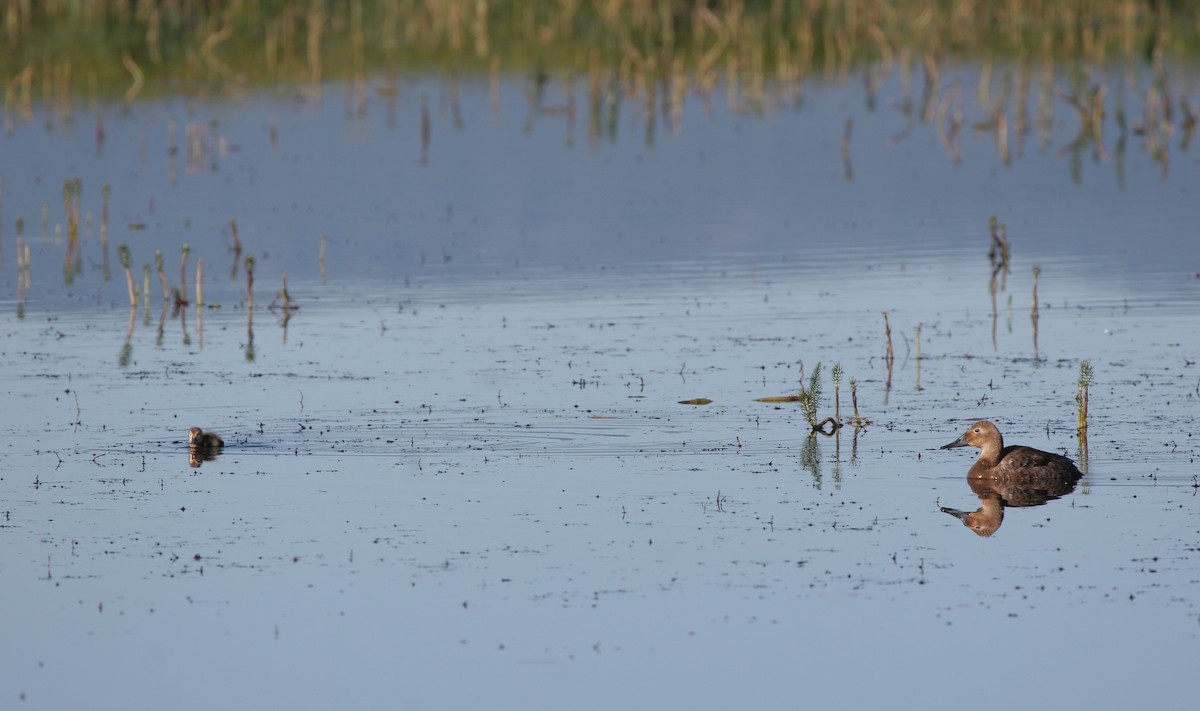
(648, 54)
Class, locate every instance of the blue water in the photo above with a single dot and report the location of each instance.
(458, 475)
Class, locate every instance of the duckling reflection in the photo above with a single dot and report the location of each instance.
(1011, 490)
(196, 457)
(203, 446)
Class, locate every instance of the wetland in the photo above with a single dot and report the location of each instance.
(518, 323)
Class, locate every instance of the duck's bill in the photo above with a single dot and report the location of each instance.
(960, 442)
(960, 515)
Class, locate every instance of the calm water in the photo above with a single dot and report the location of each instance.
(458, 475)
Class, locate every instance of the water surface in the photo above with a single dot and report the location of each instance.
(459, 474)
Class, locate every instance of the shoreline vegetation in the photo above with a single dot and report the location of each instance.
(103, 50)
(1099, 59)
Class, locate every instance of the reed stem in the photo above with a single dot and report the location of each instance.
(887, 330)
(123, 251)
(1083, 395)
(836, 374)
(250, 281)
(183, 271)
(1033, 316)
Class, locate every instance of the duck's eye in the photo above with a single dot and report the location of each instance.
(977, 429)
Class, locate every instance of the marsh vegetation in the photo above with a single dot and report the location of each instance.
(501, 244)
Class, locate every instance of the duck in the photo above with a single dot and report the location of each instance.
(997, 461)
(200, 439)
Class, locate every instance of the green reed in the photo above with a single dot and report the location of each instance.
(836, 375)
(132, 49)
(1082, 396)
(810, 396)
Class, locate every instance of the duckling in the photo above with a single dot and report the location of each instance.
(200, 439)
(996, 460)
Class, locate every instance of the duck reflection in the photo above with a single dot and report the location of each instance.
(203, 446)
(1011, 490)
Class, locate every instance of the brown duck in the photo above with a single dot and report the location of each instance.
(997, 461)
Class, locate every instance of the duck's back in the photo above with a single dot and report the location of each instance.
(1018, 459)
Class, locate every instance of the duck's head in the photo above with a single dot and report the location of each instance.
(982, 434)
(193, 433)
